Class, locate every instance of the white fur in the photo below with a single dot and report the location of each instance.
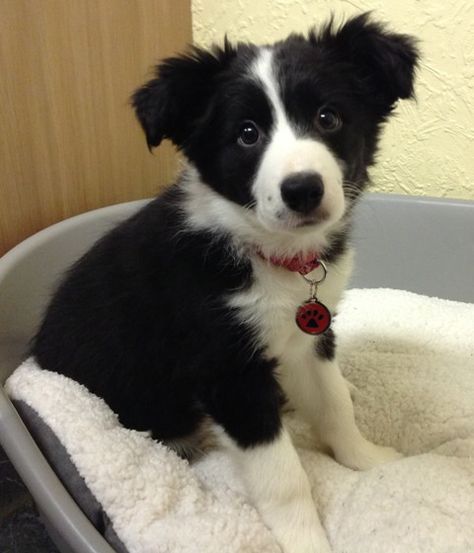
(271, 303)
(288, 153)
(279, 487)
(321, 395)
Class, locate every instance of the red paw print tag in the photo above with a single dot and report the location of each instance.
(313, 317)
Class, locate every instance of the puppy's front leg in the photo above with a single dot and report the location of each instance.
(318, 390)
(248, 411)
(279, 488)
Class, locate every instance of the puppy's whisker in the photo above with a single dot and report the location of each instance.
(251, 204)
(352, 190)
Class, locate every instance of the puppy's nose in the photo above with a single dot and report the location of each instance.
(302, 192)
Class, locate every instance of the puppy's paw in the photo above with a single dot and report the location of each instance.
(365, 455)
(304, 544)
(298, 530)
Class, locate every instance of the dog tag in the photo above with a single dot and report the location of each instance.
(313, 317)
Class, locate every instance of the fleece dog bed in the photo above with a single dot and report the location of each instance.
(411, 361)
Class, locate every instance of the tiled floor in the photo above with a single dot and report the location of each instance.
(21, 530)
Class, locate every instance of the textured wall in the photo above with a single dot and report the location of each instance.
(428, 148)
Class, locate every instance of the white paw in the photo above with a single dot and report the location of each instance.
(366, 455)
(297, 528)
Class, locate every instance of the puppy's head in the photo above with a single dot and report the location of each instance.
(285, 131)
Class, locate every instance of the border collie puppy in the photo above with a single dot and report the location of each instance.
(201, 306)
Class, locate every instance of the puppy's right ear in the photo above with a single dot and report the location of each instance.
(169, 105)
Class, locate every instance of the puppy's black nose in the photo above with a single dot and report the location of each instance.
(302, 192)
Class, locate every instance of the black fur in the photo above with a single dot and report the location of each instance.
(326, 345)
(142, 319)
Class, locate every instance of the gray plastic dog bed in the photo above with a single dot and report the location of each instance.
(421, 245)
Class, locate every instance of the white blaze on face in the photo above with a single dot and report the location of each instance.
(288, 153)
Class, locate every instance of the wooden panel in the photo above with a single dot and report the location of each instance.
(68, 139)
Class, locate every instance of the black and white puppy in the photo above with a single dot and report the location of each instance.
(185, 313)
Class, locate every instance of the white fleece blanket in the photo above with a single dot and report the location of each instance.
(412, 361)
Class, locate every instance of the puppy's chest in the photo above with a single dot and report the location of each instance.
(269, 306)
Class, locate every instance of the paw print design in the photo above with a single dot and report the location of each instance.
(313, 317)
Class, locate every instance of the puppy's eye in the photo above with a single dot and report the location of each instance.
(328, 120)
(248, 134)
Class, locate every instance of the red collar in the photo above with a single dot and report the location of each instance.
(297, 264)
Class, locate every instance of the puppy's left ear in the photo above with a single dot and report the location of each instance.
(386, 62)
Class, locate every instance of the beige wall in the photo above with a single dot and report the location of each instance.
(429, 148)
